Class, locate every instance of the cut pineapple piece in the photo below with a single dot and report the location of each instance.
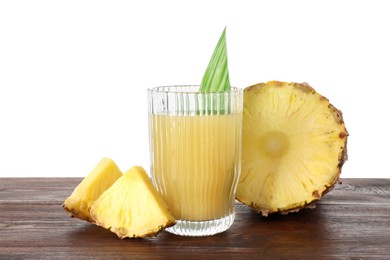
(97, 181)
(132, 207)
(294, 145)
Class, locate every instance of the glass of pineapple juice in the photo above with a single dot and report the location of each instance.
(195, 150)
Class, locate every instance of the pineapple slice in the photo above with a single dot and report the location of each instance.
(294, 145)
(97, 181)
(132, 207)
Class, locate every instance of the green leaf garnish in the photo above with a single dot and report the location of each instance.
(216, 76)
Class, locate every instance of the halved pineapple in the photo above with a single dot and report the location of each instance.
(132, 207)
(294, 145)
(92, 186)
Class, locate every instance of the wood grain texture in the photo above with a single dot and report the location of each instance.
(351, 221)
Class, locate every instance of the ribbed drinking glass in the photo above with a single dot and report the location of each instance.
(195, 150)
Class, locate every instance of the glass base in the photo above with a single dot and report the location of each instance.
(201, 228)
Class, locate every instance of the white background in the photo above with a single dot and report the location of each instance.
(74, 74)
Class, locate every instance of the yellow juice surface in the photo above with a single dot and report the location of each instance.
(196, 163)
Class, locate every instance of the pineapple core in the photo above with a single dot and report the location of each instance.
(97, 181)
(274, 144)
(293, 147)
(132, 207)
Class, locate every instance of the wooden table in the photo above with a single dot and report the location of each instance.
(351, 221)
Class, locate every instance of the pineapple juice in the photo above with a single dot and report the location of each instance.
(196, 163)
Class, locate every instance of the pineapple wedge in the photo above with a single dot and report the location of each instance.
(97, 181)
(132, 207)
(294, 145)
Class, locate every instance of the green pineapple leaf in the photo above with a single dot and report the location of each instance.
(216, 76)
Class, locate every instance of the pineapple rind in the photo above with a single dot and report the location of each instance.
(91, 187)
(132, 207)
(285, 181)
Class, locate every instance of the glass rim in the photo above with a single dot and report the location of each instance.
(170, 89)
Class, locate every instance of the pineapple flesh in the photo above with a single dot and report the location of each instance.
(132, 207)
(294, 145)
(93, 185)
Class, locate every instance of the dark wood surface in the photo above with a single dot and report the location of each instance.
(351, 221)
